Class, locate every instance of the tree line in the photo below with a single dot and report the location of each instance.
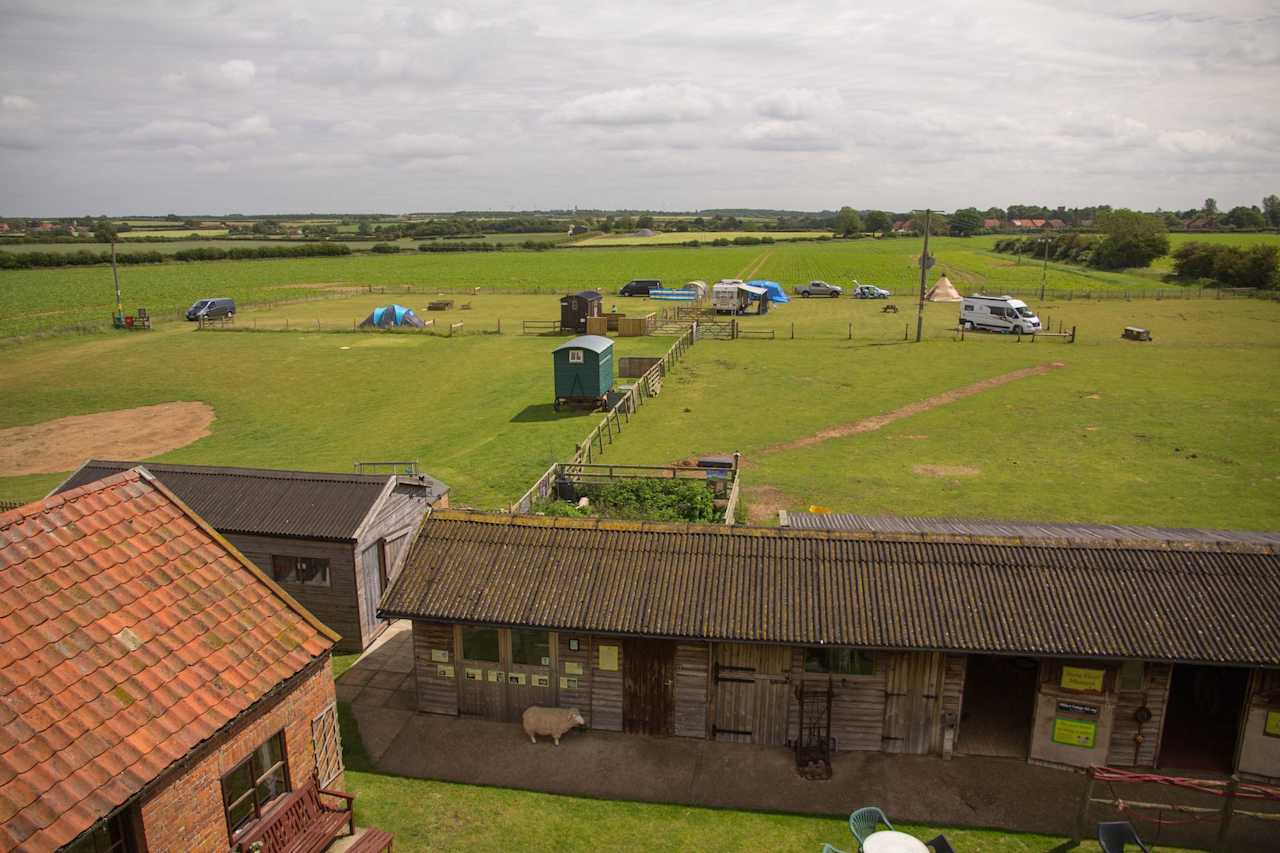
(34, 260)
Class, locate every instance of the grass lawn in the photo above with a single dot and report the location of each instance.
(677, 237)
(426, 815)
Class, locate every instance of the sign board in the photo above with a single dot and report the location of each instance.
(572, 667)
(1273, 724)
(440, 655)
(1082, 679)
(516, 678)
(495, 676)
(541, 681)
(1080, 733)
(1078, 709)
(609, 658)
(474, 674)
(568, 683)
(444, 671)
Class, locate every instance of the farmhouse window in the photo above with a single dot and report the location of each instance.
(254, 783)
(531, 648)
(480, 644)
(110, 836)
(1131, 672)
(575, 356)
(838, 661)
(310, 571)
(327, 746)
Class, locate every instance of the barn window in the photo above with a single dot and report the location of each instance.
(480, 644)
(531, 648)
(575, 356)
(310, 571)
(254, 783)
(1131, 672)
(327, 746)
(838, 661)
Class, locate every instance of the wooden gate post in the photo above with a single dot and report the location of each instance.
(1082, 812)
(1228, 807)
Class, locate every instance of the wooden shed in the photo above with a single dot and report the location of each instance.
(577, 307)
(734, 620)
(583, 370)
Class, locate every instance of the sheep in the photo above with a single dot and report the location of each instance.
(550, 722)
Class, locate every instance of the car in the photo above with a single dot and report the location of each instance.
(870, 291)
(640, 287)
(211, 309)
(819, 288)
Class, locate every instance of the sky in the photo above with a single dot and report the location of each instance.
(199, 107)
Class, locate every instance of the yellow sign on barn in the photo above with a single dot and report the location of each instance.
(1080, 733)
(1273, 724)
(572, 667)
(1079, 678)
(609, 658)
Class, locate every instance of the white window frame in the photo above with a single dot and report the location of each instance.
(576, 356)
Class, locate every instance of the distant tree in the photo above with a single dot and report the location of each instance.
(104, 231)
(937, 223)
(1271, 210)
(1245, 217)
(266, 226)
(190, 223)
(1132, 239)
(1211, 206)
(848, 222)
(878, 221)
(645, 221)
(995, 213)
(626, 223)
(363, 228)
(966, 222)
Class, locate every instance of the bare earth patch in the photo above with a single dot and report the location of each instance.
(874, 423)
(945, 471)
(62, 444)
(763, 503)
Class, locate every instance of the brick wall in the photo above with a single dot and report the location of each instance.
(185, 815)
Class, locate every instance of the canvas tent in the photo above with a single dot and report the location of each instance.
(943, 291)
(387, 316)
(775, 291)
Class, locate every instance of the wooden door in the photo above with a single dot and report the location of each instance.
(911, 701)
(752, 693)
(648, 694)
(372, 568)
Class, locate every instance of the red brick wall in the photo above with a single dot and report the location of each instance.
(185, 816)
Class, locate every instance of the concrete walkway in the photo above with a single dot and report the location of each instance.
(965, 791)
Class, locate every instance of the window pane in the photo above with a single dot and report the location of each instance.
(815, 660)
(84, 845)
(838, 661)
(313, 571)
(480, 644)
(1131, 675)
(531, 648)
(267, 756)
(240, 813)
(237, 783)
(271, 786)
(281, 568)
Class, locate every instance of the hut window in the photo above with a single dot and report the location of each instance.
(480, 644)
(575, 356)
(1131, 672)
(838, 661)
(310, 571)
(531, 648)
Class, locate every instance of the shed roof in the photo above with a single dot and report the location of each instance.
(595, 343)
(266, 502)
(130, 633)
(1211, 603)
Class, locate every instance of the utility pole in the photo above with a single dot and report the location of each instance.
(116, 275)
(1044, 268)
(924, 271)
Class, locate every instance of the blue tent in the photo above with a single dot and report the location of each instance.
(776, 293)
(385, 316)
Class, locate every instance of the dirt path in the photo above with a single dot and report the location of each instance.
(62, 444)
(752, 268)
(874, 423)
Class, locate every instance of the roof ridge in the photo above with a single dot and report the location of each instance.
(39, 506)
(241, 471)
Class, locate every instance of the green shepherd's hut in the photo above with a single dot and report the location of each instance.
(584, 370)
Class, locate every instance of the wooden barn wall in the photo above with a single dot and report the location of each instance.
(397, 519)
(529, 684)
(336, 605)
(574, 680)
(912, 686)
(692, 673)
(1124, 750)
(606, 688)
(857, 704)
(437, 693)
(1258, 754)
(950, 699)
(752, 693)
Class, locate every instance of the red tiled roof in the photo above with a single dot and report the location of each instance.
(130, 632)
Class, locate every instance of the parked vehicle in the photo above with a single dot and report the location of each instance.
(998, 314)
(640, 287)
(870, 291)
(212, 309)
(729, 298)
(819, 288)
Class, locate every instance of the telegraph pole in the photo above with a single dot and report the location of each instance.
(924, 271)
(116, 276)
(1044, 268)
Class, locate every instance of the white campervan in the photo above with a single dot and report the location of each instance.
(998, 314)
(727, 297)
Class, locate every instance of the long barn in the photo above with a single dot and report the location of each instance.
(1066, 651)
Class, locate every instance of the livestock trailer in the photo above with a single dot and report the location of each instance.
(583, 371)
(577, 307)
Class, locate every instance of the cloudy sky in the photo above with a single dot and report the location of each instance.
(217, 107)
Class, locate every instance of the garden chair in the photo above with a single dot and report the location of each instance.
(940, 845)
(864, 821)
(1114, 835)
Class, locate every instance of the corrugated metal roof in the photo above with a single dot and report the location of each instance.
(595, 343)
(129, 634)
(1019, 529)
(260, 501)
(1157, 601)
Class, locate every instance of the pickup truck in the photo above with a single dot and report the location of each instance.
(870, 291)
(819, 288)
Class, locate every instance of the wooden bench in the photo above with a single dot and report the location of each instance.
(889, 309)
(300, 822)
(440, 305)
(372, 841)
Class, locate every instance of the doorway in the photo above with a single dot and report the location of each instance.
(998, 705)
(1202, 719)
(648, 692)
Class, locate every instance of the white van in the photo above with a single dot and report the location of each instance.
(728, 298)
(998, 314)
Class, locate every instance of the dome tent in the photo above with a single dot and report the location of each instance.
(388, 316)
(943, 291)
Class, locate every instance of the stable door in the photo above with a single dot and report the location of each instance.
(648, 687)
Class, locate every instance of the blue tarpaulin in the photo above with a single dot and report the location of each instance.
(776, 293)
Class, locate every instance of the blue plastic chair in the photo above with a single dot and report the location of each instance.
(1114, 835)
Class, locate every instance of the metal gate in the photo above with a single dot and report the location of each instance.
(648, 694)
(751, 694)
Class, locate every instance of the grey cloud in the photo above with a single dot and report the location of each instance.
(657, 104)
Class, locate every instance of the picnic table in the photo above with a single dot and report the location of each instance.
(890, 841)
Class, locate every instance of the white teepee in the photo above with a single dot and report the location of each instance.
(943, 291)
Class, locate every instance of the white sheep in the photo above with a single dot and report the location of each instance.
(550, 722)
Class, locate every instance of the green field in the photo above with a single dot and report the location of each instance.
(677, 237)
(173, 242)
(174, 232)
